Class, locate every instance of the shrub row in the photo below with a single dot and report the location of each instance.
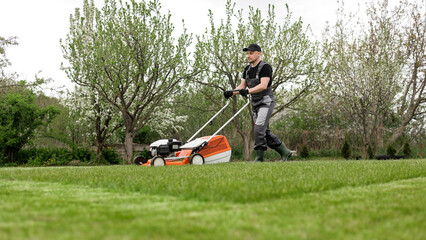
(345, 152)
(36, 157)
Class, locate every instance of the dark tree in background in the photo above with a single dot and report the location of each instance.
(346, 150)
(19, 119)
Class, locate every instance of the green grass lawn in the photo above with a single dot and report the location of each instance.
(292, 200)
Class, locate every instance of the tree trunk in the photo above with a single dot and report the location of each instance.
(406, 118)
(11, 156)
(338, 138)
(397, 133)
(304, 134)
(413, 104)
(99, 138)
(376, 140)
(248, 149)
(128, 147)
(99, 149)
(365, 136)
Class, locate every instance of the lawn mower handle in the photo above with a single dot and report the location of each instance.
(224, 125)
(210, 120)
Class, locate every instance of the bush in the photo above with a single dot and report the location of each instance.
(146, 135)
(324, 153)
(407, 150)
(7, 164)
(346, 150)
(305, 152)
(237, 153)
(370, 152)
(20, 117)
(52, 156)
(35, 161)
(390, 151)
(111, 156)
(146, 153)
(82, 154)
(39, 157)
(23, 156)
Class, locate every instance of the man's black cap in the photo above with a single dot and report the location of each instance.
(253, 47)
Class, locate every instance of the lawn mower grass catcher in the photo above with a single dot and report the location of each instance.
(203, 150)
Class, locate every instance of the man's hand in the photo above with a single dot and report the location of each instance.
(228, 94)
(244, 92)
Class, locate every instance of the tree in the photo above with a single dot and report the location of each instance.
(9, 81)
(127, 55)
(89, 109)
(346, 150)
(390, 151)
(411, 105)
(305, 152)
(5, 78)
(407, 150)
(370, 152)
(198, 109)
(57, 133)
(220, 61)
(19, 118)
(365, 67)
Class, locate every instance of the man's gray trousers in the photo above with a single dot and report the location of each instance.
(263, 137)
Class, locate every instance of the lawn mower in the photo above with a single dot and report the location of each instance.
(203, 150)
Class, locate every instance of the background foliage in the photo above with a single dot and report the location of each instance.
(363, 82)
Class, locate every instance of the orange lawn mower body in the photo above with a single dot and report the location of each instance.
(216, 151)
(204, 150)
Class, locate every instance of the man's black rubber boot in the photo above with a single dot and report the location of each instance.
(284, 152)
(259, 156)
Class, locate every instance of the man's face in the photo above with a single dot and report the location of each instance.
(252, 56)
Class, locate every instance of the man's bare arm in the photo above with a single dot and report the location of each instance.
(261, 87)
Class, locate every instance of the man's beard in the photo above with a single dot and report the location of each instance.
(252, 61)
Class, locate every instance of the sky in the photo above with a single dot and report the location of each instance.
(40, 24)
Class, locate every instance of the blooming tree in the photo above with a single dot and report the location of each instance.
(127, 54)
(87, 108)
(376, 69)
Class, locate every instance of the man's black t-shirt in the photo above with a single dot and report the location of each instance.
(266, 71)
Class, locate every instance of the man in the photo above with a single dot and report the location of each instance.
(258, 78)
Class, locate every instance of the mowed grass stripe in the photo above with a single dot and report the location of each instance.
(232, 182)
(41, 210)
